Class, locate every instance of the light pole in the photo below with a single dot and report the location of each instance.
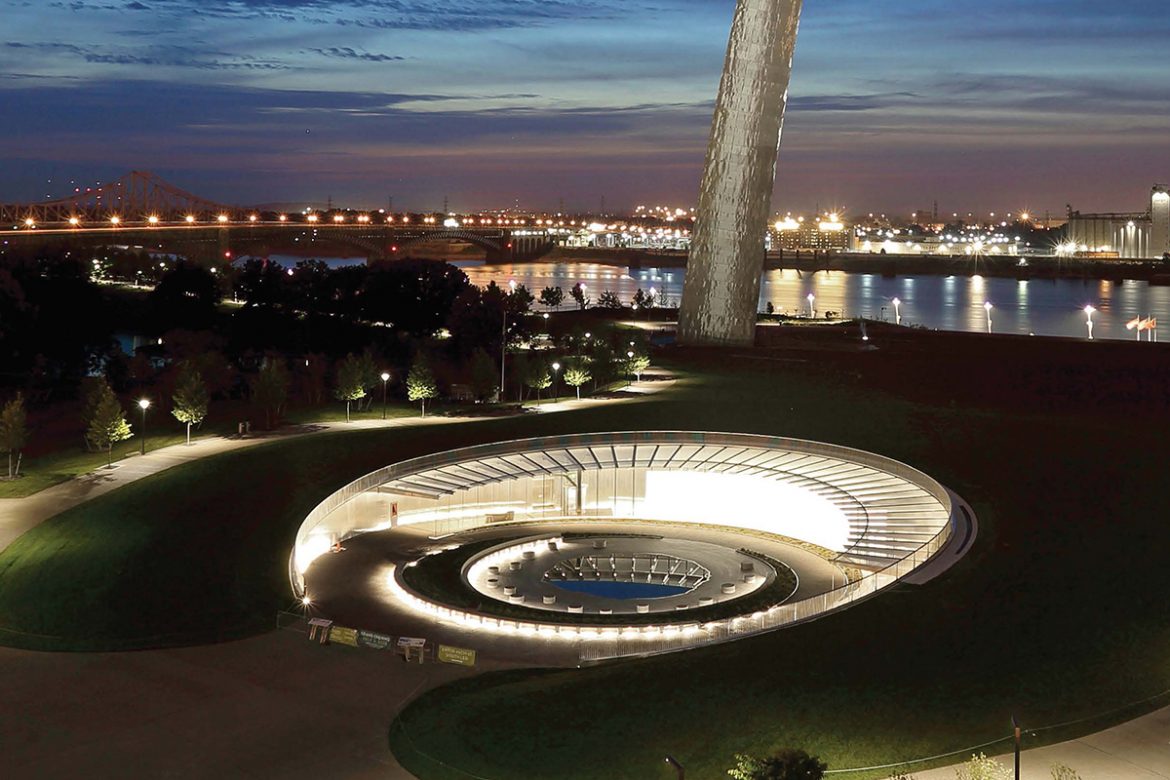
(556, 367)
(503, 350)
(897, 311)
(1016, 727)
(987, 307)
(630, 355)
(144, 404)
(1089, 312)
(385, 379)
(812, 313)
(677, 766)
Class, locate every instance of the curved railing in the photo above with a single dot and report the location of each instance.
(786, 614)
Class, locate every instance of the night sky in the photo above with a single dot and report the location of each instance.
(998, 104)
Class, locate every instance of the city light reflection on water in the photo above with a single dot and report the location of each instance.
(1045, 307)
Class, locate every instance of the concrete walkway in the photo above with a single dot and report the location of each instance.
(18, 515)
(276, 705)
(1137, 750)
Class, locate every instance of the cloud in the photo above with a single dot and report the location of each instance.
(346, 53)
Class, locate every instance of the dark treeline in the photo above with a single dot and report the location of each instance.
(61, 310)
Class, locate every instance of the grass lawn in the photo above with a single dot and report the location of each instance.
(67, 460)
(55, 467)
(1057, 614)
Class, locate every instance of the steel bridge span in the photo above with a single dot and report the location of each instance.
(142, 210)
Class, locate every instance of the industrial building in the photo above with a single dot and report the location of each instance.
(1135, 236)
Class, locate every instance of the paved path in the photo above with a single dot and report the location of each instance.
(18, 515)
(1137, 750)
(276, 705)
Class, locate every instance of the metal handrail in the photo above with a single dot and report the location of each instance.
(718, 631)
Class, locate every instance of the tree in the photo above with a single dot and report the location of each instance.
(108, 424)
(14, 432)
(369, 374)
(636, 365)
(191, 398)
(578, 293)
(575, 376)
(270, 389)
(787, 764)
(981, 767)
(186, 297)
(609, 300)
(537, 376)
(484, 377)
(420, 384)
(350, 381)
(552, 296)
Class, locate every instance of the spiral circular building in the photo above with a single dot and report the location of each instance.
(635, 542)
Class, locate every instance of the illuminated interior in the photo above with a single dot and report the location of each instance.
(870, 511)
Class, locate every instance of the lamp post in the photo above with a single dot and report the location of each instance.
(1016, 727)
(897, 311)
(385, 379)
(812, 313)
(677, 766)
(1089, 312)
(987, 307)
(556, 367)
(144, 404)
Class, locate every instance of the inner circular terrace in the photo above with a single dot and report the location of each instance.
(875, 520)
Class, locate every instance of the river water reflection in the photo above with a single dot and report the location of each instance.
(1045, 307)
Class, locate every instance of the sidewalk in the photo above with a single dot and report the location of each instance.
(1137, 750)
(18, 515)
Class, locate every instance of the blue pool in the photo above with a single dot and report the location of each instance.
(621, 590)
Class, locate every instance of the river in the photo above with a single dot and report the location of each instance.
(1044, 307)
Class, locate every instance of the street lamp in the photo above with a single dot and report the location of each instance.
(1016, 727)
(1089, 312)
(144, 404)
(385, 379)
(677, 766)
(897, 311)
(811, 300)
(503, 350)
(987, 307)
(556, 367)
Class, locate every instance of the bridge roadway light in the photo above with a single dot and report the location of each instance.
(221, 219)
(190, 220)
(312, 217)
(252, 218)
(30, 223)
(115, 220)
(153, 220)
(284, 217)
(74, 221)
